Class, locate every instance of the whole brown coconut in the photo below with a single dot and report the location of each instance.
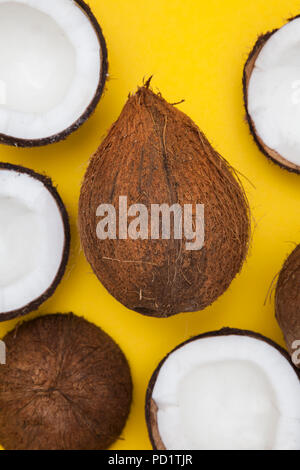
(155, 154)
(287, 299)
(66, 386)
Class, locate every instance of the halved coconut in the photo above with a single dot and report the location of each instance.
(272, 94)
(230, 389)
(34, 240)
(53, 69)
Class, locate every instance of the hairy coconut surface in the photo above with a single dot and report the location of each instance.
(287, 299)
(191, 360)
(155, 154)
(66, 385)
(269, 152)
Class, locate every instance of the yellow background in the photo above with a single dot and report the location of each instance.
(196, 51)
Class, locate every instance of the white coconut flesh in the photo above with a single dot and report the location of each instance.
(32, 240)
(274, 92)
(228, 392)
(50, 61)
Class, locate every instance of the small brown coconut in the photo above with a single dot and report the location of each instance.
(287, 300)
(66, 385)
(250, 65)
(155, 154)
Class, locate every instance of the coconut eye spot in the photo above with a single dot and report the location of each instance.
(19, 241)
(37, 59)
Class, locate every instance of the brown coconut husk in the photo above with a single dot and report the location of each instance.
(154, 153)
(287, 299)
(150, 405)
(66, 386)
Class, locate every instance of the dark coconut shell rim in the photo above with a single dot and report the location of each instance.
(274, 156)
(17, 142)
(34, 304)
(150, 406)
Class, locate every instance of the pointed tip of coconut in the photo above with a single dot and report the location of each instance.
(148, 82)
(145, 88)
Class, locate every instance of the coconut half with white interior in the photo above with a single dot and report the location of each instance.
(34, 240)
(272, 94)
(53, 69)
(230, 389)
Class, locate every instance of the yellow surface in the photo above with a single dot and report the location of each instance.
(196, 51)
